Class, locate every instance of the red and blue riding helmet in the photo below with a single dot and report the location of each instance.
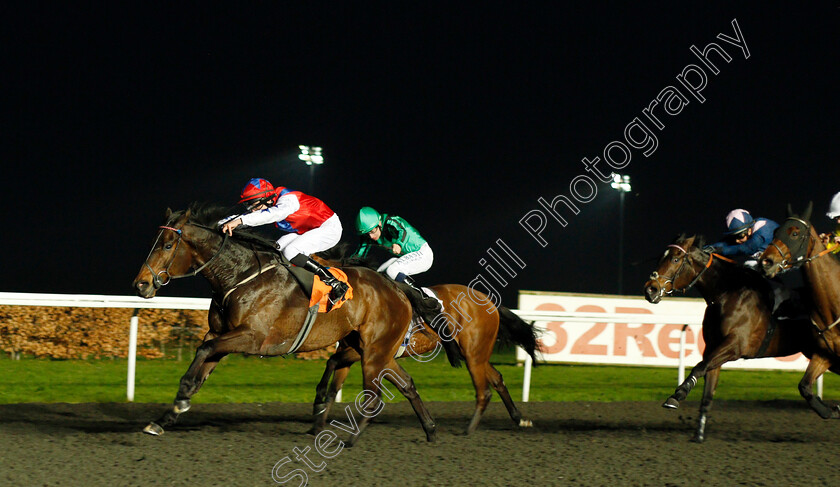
(258, 191)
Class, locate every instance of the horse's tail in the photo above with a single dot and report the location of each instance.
(432, 316)
(513, 330)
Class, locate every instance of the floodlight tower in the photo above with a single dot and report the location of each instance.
(312, 157)
(622, 185)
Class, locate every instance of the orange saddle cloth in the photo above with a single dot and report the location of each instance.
(321, 292)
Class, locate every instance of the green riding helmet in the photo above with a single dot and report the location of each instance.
(367, 220)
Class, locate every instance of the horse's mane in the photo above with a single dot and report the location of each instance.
(343, 254)
(742, 274)
(208, 215)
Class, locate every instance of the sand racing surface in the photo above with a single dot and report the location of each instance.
(775, 443)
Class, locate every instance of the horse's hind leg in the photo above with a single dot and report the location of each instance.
(479, 375)
(711, 380)
(817, 367)
(396, 375)
(498, 383)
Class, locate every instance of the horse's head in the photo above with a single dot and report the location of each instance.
(675, 270)
(170, 255)
(792, 243)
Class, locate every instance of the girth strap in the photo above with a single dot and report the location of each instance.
(247, 279)
(768, 336)
(304, 331)
(827, 328)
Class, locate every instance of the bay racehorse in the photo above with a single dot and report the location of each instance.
(476, 324)
(796, 244)
(258, 307)
(738, 321)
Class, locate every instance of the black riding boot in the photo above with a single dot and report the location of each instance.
(430, 312)
(428, 300)
(338, 287)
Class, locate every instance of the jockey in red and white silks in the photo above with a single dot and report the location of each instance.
(312, 225)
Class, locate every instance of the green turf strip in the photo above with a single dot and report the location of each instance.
(252, 379)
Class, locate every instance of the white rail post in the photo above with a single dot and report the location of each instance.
(132, 354)
(337, 394)
(681, 373)
(526, 381)
(820, 386)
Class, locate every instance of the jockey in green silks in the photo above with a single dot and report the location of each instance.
(412, 254)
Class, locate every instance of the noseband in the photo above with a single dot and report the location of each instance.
(686, 260)
(797, 257)
(157, 279)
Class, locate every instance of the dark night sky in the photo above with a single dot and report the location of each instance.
(456, 118)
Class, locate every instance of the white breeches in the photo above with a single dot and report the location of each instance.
(409, 264)
(316, 240)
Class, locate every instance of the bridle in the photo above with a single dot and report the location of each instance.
(157, 279)
(686, 261)
(798, 256)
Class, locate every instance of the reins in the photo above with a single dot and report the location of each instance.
(156, 277)
(687, 260)
(799, 260)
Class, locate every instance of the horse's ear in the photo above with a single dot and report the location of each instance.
(807, 214)
(187, 214)
(789, 211)
(689, 241)
(168, 213)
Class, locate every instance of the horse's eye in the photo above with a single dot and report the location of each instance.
(795, 234)
(167, 246)
(675, 260)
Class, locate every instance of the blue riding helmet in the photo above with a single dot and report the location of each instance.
(738, 221)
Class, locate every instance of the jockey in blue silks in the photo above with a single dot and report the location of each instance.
(744, 235)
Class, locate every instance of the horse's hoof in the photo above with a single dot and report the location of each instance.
(352, 441)
(526, 423)
(698, 438)
(314, 430)
(153, 429)
(671, 403)
(431, 436)
(181, 406)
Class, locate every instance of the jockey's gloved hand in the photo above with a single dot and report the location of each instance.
(227, 219)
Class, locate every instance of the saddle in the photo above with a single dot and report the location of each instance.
(320, 292)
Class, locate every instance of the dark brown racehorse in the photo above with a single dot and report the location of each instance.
(737, 322)
(477, 328)
(796, 244)
(259, 308)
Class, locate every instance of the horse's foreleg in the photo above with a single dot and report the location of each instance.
(326, 398)
(171, 416)
(711, 380)
(688, 384)
(207, 356)
(320, 405)
(727, 351)
(816, 367)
